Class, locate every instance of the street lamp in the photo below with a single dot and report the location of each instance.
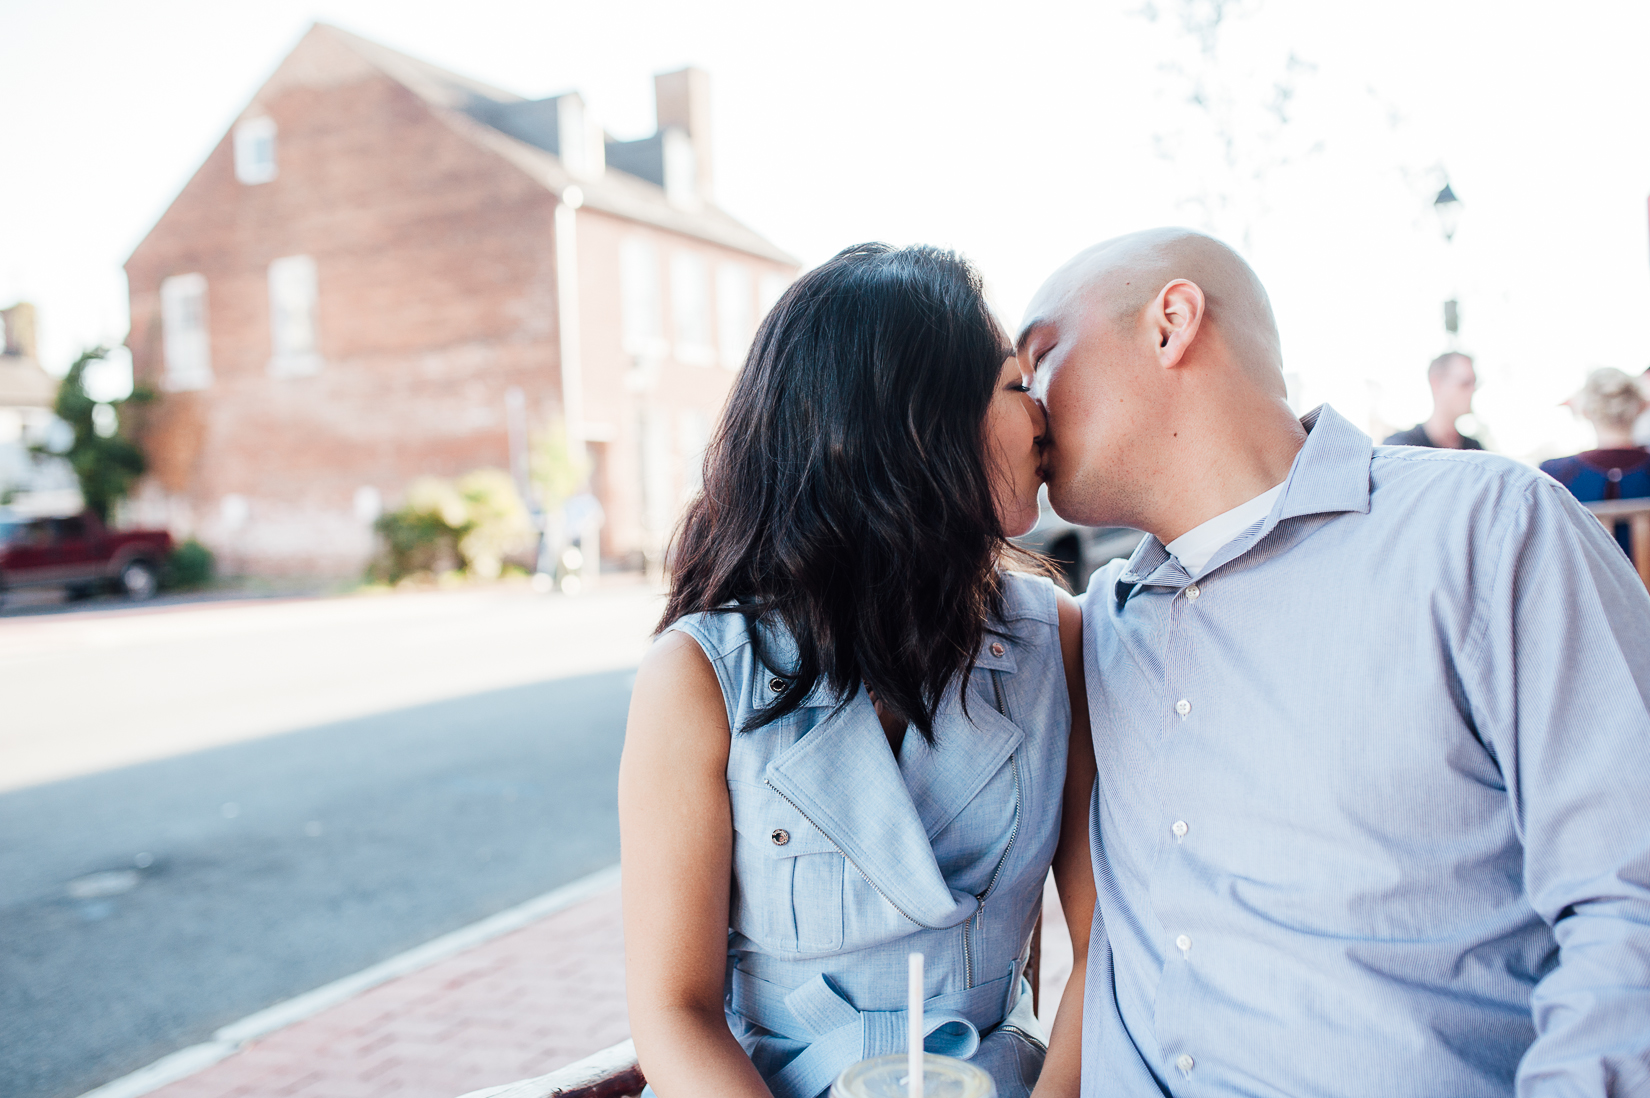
(1448, 209)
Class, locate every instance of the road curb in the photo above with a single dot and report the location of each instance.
(231, 1038)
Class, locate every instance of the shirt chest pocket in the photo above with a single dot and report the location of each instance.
(787, 886)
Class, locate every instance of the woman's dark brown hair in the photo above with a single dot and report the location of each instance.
(846, 494)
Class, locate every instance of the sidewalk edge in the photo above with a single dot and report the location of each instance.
(229, 1039)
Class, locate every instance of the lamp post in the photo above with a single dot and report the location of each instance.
(1448, 208)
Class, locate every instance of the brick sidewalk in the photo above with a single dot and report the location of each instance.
(520, 1005)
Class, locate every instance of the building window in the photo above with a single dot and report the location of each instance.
(733, 313)
(294, 349)
(690, 306)
(639, 289)
(255, 150)
(770, 290)
(681, 164)
(692, 438)
(183, 326)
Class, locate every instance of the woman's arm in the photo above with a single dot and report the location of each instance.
(676, 840)
(1073, 872)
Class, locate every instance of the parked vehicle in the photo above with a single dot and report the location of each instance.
(1078, 550)
(80, 554)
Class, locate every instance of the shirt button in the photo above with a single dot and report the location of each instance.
(1185, 1063)
(1183, 707)
(777, 685)
(1183, 943)
(1192, 593)
(997, 648)
(1179, 828)
(780, 836)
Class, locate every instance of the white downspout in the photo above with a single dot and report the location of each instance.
(567, 306)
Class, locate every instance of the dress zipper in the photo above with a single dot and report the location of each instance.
(1013, 834)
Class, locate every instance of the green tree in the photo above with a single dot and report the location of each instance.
(104, 460)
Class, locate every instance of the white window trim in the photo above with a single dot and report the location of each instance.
(651, 346)
(304, 362)
(249, 135)
(181, 374)
(733, 285)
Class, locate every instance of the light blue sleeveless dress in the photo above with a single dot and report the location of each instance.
(846, 859)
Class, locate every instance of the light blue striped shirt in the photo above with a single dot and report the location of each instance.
(1373, 813)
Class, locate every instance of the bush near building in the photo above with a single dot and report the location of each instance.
(190, 565)
(471, 525)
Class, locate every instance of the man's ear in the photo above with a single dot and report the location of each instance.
(1176, 314)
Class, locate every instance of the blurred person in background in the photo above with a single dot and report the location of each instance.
(853, 729)
(1641, 426)
(1453, 381)
(1618, 468)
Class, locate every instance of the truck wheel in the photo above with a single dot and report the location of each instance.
(139, 580)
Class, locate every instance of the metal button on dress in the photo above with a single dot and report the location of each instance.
(997, 648)
(1185, 1063)
(1179, 828)
(1183, 707)
(1183, 943)
(781, 836)
(777, 685)
(1192, 593)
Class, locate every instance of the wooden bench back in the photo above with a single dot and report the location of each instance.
(1636, 514)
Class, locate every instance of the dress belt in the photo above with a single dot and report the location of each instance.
(838, 1035)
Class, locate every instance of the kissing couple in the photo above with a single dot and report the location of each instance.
(1344, 776)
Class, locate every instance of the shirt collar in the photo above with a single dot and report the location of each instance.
(1329, 475)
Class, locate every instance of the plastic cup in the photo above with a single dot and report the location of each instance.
(885, 1077)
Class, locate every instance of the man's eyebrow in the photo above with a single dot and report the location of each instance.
(1026, 332)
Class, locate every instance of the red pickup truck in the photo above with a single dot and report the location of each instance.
(81, 554)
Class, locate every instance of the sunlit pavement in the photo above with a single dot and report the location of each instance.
(213, 807)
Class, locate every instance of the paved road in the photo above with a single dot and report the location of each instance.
(144, 905)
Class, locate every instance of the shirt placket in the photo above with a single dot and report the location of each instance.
(1172, 882)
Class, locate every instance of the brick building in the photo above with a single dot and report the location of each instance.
(385, 270)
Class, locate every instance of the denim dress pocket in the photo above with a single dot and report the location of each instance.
(787, 892)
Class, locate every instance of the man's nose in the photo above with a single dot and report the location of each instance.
(1039, 416)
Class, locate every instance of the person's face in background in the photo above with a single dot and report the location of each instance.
(1452, 389)
(1013, 431)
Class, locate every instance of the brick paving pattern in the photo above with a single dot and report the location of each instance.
(521, 1005)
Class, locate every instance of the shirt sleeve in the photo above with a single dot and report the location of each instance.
(1560, 692)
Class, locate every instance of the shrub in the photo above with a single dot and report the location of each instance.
(190, 565)
(469, 525)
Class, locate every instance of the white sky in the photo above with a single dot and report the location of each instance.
(1016, 133)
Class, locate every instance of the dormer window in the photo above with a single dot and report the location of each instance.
(255, 150)
(681, 164)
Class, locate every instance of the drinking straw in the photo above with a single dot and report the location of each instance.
(914, 1043)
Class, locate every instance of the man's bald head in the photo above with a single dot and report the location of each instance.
(1120, 277)
(1147, 351)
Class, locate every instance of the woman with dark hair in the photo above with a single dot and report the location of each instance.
(850, 741)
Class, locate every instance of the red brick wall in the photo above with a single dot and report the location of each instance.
(436, 264)
(436, 274)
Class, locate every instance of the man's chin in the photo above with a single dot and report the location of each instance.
(1074, 505)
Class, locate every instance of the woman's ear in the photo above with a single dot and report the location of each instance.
(1175, 316)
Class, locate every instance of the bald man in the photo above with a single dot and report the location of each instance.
(1373, 807)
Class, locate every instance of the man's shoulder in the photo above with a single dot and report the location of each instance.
(1415, 436)
(1453, 481)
